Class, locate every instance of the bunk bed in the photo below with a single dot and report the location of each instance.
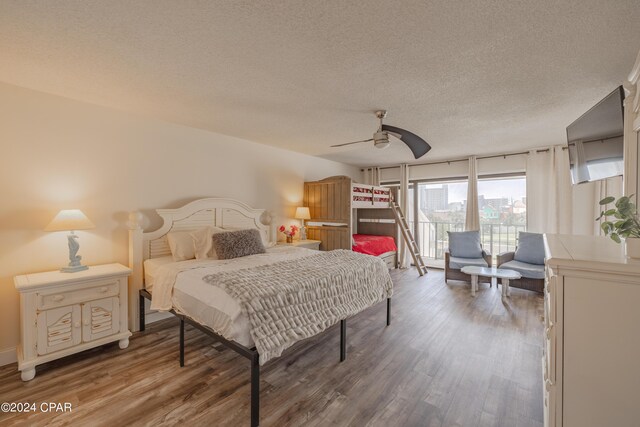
(348, 215)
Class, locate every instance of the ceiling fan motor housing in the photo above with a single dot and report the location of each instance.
(380, 139)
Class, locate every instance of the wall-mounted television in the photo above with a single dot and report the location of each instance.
(595, 140)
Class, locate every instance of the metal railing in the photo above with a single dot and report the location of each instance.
(433, 239)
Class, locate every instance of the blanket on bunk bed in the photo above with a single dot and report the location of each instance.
(289, 301)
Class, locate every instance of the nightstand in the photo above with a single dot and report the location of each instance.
(309, 244)
(65, 313)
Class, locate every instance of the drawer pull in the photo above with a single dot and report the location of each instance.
(547, 385)
(103, 289)
(548, 331)
(77, 324)
(57, 298)
(86, 322)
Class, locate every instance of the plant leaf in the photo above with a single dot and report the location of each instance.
(615, 238)
(607, 200)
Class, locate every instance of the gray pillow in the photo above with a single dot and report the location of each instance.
(239, 243)
(530, 248)
(465, 244)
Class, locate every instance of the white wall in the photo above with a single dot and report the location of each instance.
(58, 153)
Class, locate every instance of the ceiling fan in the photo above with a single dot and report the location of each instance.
(417, 145)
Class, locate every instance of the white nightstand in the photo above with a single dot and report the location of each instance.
(65, 313)
(309, 244)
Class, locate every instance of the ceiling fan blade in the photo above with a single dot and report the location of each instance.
(417, 145)
(354, 142)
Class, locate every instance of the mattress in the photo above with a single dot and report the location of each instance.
(373, 245)
(205, 303)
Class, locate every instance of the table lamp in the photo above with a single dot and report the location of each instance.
(303, 213)
(71, 220)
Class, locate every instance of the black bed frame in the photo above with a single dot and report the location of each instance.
(249, 353)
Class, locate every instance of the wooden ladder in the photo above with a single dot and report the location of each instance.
(408, 237)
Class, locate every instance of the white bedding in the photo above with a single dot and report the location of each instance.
(179, 285)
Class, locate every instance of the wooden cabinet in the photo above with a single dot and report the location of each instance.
(64, 313)
(592, 341)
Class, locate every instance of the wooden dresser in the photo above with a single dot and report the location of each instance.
(591, 362)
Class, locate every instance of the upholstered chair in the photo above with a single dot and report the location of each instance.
(465, 249)
(528, 260)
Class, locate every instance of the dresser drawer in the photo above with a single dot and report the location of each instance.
(87, 292)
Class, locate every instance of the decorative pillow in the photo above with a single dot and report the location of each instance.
(530, 248)
(181, 245)
(236, 244)
(465, 244)
(204, 243)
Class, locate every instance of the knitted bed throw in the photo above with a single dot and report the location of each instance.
(289, 301)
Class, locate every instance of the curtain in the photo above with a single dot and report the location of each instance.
(602, 189)
(472, 221)
(404, 257)
(372, 176)
(549, 193)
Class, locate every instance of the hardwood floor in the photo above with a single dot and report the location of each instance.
(447, 359)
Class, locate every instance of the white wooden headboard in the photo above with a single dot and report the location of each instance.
(219, 212)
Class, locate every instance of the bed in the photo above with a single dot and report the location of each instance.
(229, 299)
(342, 209)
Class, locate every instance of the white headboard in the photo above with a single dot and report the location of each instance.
(225, 213)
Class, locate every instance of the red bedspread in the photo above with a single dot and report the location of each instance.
(373, 245)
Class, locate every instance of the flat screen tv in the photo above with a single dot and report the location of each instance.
(595, 140)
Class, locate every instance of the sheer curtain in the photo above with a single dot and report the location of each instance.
(403, 254)
(372, 176)
(549, 194)
(472, 220)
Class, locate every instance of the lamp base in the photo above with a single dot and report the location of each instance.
(74, 269)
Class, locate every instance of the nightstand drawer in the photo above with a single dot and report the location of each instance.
(95, 290)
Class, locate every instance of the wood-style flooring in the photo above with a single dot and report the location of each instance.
(447, 359)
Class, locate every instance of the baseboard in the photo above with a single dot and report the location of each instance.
(8, 356)
(156, 316)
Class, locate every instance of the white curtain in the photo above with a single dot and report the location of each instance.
(372, 176)
(602, 189)
(472, 221)
(404, 257)
(549, 193)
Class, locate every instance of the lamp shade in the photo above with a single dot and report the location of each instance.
(68, 220)
(302, 213)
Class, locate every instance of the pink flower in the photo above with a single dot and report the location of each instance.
(281, 229)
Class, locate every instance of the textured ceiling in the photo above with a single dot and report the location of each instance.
(471, 77)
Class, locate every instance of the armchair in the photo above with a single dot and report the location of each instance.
(465, 249)
(528, 260)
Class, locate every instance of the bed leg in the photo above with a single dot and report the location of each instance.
(181, 343)
(141, 310)
(255, 390)
(343, 340)
(388, 311)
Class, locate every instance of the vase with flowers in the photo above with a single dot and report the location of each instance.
(289, 233)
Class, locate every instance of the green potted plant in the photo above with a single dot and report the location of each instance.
(624, 223)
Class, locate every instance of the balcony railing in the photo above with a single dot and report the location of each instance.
(433, 239)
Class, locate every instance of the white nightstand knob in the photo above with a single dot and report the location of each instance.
(58, 298)
(103, 289)
(77, 324)
(86, 322)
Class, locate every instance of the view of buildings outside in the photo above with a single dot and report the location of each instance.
(442, 207)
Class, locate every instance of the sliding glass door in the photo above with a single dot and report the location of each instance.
(441, 206)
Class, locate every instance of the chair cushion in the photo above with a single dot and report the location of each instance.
(530, 248)
(465, 244)
(530, 271)
(457, 263)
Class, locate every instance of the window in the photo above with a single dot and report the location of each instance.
(502, 202)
